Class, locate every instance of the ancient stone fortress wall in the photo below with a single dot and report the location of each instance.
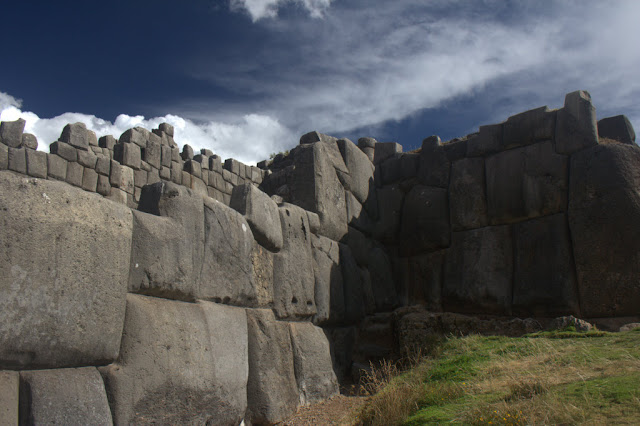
(198, 295)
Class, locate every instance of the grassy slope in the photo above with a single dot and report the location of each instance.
(548, 378)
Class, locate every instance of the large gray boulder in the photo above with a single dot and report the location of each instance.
(618, 128)
(487, 141)
(11, 132)
(604, 212)
(272, 390)
(312, 363)
(293, 279)
(360, 169)
(262, 263)
(544, 276)
(69, 396)
(76, 135)
(467, 195)
(424, 279)
(529, 127)
(262, 214)
(168, 249)
(354, 298)
(329, 284)
(180, 363)
(315, 186)
(479, 271)
(9, 397)
(425, 220)
(227, 271)
(390, 200)
(525, 183)
(434, 163)
(382, 282)
(64, 265)
(576, 126)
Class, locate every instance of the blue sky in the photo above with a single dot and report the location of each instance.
(247, 77)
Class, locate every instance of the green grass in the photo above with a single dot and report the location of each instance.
(558, 377)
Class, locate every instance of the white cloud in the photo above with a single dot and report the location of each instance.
(373, 61)
(248, 139)
(260, 9)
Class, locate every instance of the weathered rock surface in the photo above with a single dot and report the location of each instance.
(293, 278)
(618, 128)
(390, 199)
(424, 278)
(65, 396)
(576, 126)
(76, 135)
(418, 329)
(434, 165)
(479, 271)
(526, 182)
(382, 282)
(180, 363)
(272, 390)
(312, 363)
(354, 297)
(604, 212)
(316, 187)
(467, 195)
(9, 397)
(227, 270)
(425, 220)
(329, 284)
(529, 127)
(544, 277)
(262, 214)
(64, 264)
(360, 169)
(167, 255)
(11, 132)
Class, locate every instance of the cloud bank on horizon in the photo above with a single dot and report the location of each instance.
(346, 65)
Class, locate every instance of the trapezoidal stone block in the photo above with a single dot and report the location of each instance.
(272, 390)
(526, 182)
(467, 195)
(577, 127)
(360, 169)
(618, 128)
(64, 396)
(604, 212)
(64, 265)
(545, 281)
(262, 214)
(478, 271)
(329, 294)
(180, 363)
(425, 220)
(312, 363)
(316, 187)
(293, 279)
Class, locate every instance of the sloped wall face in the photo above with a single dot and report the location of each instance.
(158, 286)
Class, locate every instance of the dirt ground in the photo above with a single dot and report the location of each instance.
(334, 411)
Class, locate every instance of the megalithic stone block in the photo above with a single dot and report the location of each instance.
(293, 266)
(312, 363)
(29, 141)
(11, 132)
(618, 128)
(272, 390)
(65, 396)
(576, 126)
(329, 285)
(262, 214)
(603, 218)
(180, 363)
(64, 257)
(76, 135)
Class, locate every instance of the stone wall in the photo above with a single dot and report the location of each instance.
(119, 168)
(198, 295)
